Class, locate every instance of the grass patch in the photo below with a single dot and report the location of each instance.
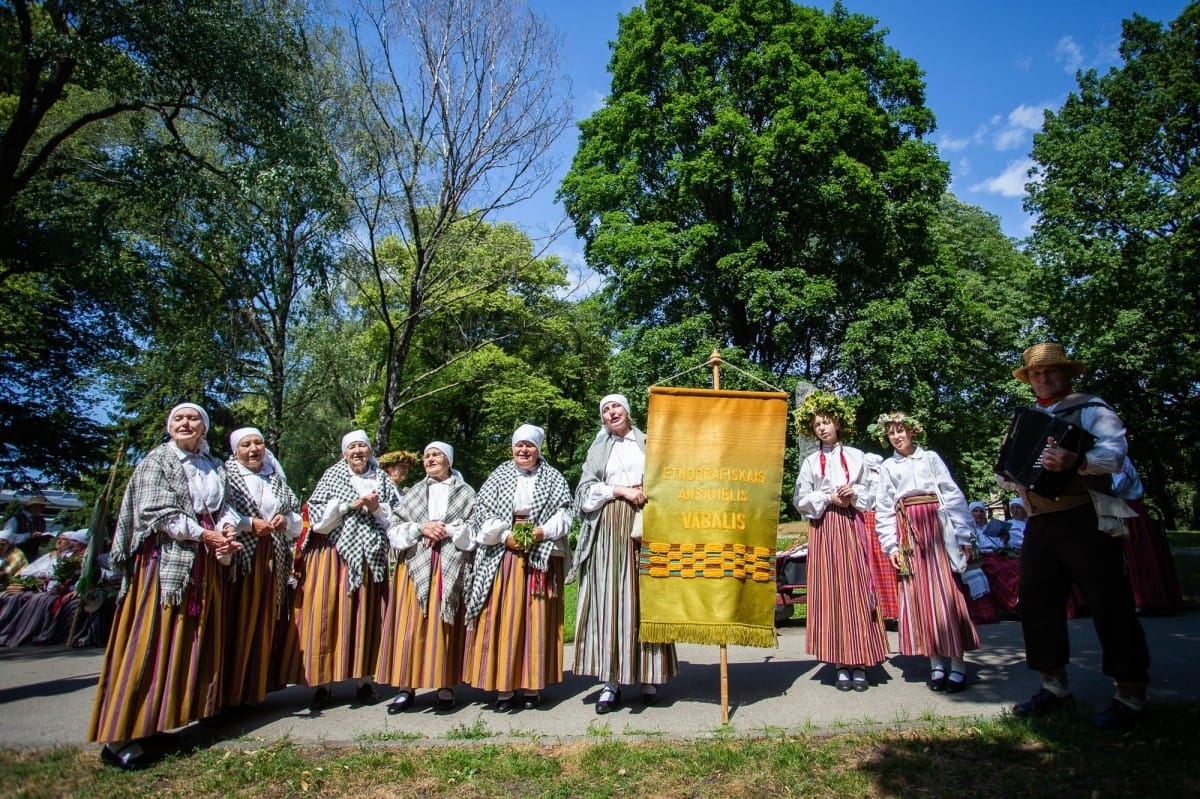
(1005, 756)
(475, 731)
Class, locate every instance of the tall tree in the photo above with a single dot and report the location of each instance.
(1116, 188)
(944, 345)
(759, 164)
(455, 108)
(80, 85)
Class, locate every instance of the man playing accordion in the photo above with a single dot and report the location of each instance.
(1076, 538)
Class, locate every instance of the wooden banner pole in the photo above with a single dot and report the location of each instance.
(715, 361)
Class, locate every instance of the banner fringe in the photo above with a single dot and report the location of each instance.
(654, 632)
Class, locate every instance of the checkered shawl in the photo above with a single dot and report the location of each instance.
(495, 501)
(454, 563)
(357, 537)
(158, 490)
(237, 494)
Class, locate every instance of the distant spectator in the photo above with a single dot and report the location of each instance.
(12, 559)
(990, 534)
(30, 527)
(1016, 525)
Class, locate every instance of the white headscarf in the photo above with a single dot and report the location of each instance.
(531, 433)
(353, 436)
(203, 414)
(78, 536)
(270, 462)
(442, 447)
(617, 398)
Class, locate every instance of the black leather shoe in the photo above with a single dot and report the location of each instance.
(649, 698)
(129, 758)
(936, 684)
(956, 686)
(1117, 716)
(320, 698)
(843, 682)
(1043, 703)
(608, 701)
(531, 701)
(402, 702)
(445, 703)
(504, 705)
(366, 694)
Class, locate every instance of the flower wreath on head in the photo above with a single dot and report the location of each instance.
(823, 403)
(879, 428)
(398, 457)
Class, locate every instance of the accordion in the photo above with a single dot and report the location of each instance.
(1020, 458)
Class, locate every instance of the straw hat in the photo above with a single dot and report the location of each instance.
(1047, 353)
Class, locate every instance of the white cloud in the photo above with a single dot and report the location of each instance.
(1069, 54)
(1022, 121)
(954, 145)
(1009, 183)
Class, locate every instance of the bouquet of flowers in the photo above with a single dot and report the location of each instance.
(67, 570)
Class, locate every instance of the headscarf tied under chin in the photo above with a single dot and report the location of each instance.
(269, 459)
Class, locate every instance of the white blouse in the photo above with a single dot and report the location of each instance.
(815, 489)
(923, 472)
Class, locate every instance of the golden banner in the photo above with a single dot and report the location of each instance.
(714, 467)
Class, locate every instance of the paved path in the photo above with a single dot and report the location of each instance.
(46, 695)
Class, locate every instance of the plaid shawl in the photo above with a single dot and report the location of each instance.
(594, 467)
(495, 501)
(238, 495)
(358, 536)
(158, 490)
(454, 563)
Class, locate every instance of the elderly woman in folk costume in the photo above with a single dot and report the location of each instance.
(44, 614)
(340, 605)
(610, 499)
(161, 667)
(266, 515)
(844, 625)
(923, 525)
(514, 609)
(424, 630)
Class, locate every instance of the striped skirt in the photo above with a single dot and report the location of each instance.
(1151, 566)
(882, 572)
(338, 630)
(606, 628)
(419, 650)
(933, 614)
(844, 626)
(250, 631)
(161, 667)
(517, 641)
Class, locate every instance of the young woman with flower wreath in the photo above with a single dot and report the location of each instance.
(844, 626)
(916, 500)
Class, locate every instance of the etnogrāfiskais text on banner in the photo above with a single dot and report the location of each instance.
(714, 471)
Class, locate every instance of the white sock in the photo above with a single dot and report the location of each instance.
(959, 665)
(937, 669)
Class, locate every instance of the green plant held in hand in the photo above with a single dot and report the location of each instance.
(522, 535)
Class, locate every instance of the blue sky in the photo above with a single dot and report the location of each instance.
(991, 67)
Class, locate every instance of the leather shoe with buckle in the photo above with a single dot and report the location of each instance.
(402, 702)
(608, 701)
(1043, 703)
(531, 701)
